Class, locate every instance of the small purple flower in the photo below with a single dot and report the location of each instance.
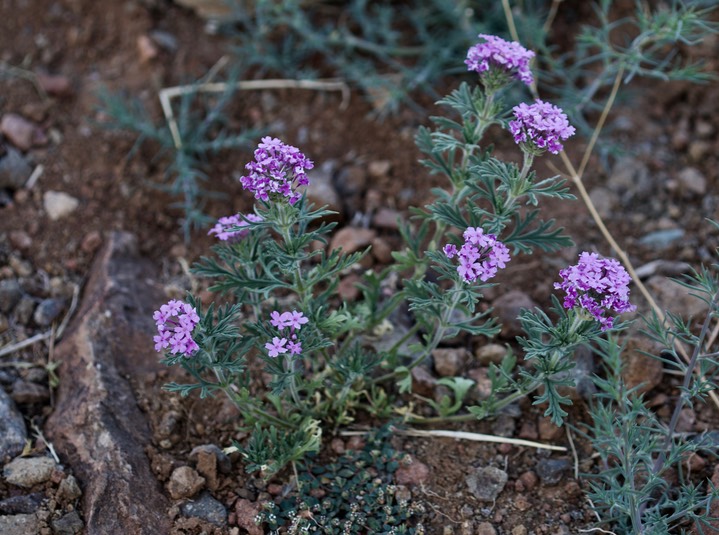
(540, 126)
(297, 319)
(506, 57)
(294, 347)
(276, 173)
(276, 347)
(481, 255)
(280, 321)
(175, 322)
(230, 228)
(598, 285)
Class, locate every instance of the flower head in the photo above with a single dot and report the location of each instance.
(598, 285)
(540, 126)
(508, 58)
(276, 173)
(481, 255)
(276, 347)
(230, 228)
(175, 322)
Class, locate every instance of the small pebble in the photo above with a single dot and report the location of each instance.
(28, 471)
(58, 204)
(487, 482)
(18, 130)
(551, 471)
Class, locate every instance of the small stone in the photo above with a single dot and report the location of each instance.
(485, 528)
(487, 482)
(337, 445)
(672, 296)
(146, 49)
(482, 383)
(245, 514)
(386, 218)
(629, 175)
(23, 310)
(504, 425)
(91, 242)
(692, 181)
(58, 204)
(529, 479)
(351, 239)
(448, 362)
(423, 382)
(10, 294)
(22, 268)
(519, 530)
(68, 490)
(490, 354)
(379, 168)
(224, 464)
(351, 180)
(12, 428)
(205, 508)
(321, 190)
(551, 471)
(48, 310)
(27, 393)
(547, 430)
(604, 200)
(23, 504)
(55, 84)
(18, 130)
(184, 483)
(164, 40)
(20, 239)
(347, 288)
(207, 463)
(698, 150)
(641, 371)
(687, 420)
(14, 169)
(19, 525)
(414, 473)
(662, 239)
(69, 524)
(28, 471)
(381, 251)
(507, 308)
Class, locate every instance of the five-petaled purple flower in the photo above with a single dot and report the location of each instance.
(508, 57)
(276, 173)
(175, 322)
(480, 256)
(598, 285)
(294, 321)
(230, 228)
(540, 126)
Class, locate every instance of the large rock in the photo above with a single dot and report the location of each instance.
(12, 428)
(97, 427)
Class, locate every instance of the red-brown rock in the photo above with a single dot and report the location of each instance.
(97, 427)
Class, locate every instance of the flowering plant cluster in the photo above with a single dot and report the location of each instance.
(277, 172)
(234, 227)
(327, 370)
(540, 126)
(598, 285)
(505, 57)
(175, 322)
(480, 256)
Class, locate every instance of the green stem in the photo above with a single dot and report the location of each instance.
(293, 383)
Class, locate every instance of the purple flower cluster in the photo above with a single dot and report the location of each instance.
(175, 322)
(278, 170)
(540, 126)
(480, 256)
(229, 228)
(507, 57)
(294, 321)
(598, 285)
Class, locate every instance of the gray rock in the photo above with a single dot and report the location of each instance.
(551, 471)
(209, 459)
(23, 310)
(692, 181)
(507, 308)
(641, 371)
(184, 483)
(448, 362)
(68, 490)
(28, 471)
(661, 239)
(48, 310)
(487, 482)
(14, 169)
(12, 428)
(490, 354)
(19, 525)
(10, 294)
(205, 508)
(629, 178)
(321, 190)
(604, 200)
(672, 296)
(97, 426)
(504, 425)
(59, 204)
(69, 524)
(23, 504)
(18, 130)
(26, 392)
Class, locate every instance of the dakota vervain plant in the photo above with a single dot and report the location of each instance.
(285, 310)
(280, 283)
